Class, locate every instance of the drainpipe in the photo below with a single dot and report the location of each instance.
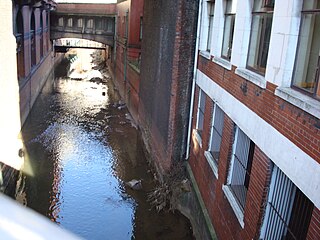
(194, 80)
(125, 49)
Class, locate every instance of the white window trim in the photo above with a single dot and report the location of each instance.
(205, 54)
(204, 29)
(234, 204)
(252, 77)
(212, 163)
(226, 188)
(300, 100)
(222, 62)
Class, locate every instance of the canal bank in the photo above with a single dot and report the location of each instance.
(82, 150)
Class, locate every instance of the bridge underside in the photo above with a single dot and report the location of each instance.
(96, 28)
(108, 40)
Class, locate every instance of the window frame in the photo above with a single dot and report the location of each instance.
(215, 118)
(211, 158)
(231, 32)
(281, 210)
(316, 92)
(210, 16)
(202, 111)
(263, 12)
(249, 160)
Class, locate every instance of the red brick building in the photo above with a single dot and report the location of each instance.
(128, 51)
(35, 59)
(255, 130)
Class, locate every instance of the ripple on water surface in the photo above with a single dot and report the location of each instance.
(82, 147)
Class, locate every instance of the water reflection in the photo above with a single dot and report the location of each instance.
(82, 148)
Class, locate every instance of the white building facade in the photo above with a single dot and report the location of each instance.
(255, 132)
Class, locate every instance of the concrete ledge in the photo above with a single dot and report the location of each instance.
(222, 62)
(252, 77)
(212, 163)
(205, 54)
(234, 204)
(300, 100)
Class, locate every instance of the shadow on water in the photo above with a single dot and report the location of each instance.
(81, 150)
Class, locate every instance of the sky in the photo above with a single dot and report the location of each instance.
(86, 1)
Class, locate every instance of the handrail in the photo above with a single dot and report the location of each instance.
(19, 222)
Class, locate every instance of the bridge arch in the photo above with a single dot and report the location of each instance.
(95, 28)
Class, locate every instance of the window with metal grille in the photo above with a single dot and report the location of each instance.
(259, 37)
(240, 166)
(288, 212)
(306, 76)
(229, 20)
(216, 132)
(210, 8)
(200, 115)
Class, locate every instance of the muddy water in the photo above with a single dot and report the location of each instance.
(81, 150)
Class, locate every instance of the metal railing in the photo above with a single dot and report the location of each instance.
(19, 222)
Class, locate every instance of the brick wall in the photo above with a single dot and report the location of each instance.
(220, 211)
(298, 126)
(166, 76)
(314, 228)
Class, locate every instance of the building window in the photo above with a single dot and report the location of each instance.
(262, 16)
(33, 41)
(20, 45)
(307, 66)
(200, 114)
(110, 24)
(288, 211)
(216, 133)
(210, 9)
(229, 20)
(141, 28)
(90, 23)
(80, 23)
(70, 22)
(240, 167)
(41, 34)
(60, 22)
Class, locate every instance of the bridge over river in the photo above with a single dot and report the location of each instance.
(94, 22)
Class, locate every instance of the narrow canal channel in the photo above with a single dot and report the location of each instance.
(82, 148)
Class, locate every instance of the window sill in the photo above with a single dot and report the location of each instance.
(300, 100)
(213, 164)
(222, 62)
(205, 54)
(197, 137)
(252, 77)
(234, 204)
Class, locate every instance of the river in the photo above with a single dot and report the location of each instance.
(81, 149)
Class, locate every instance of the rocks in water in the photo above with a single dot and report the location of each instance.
(135, 184)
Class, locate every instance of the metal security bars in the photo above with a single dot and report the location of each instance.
(216, 132)
(288, 212)
(240, 168)
(201, 108)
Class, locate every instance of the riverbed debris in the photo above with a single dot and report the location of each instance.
(167, 194)
(135, 184)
